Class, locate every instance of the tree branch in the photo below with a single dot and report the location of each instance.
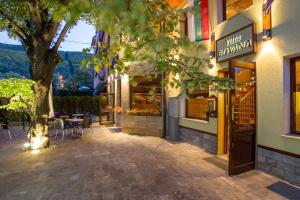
(61, 37)
(35, 10)
(52, 26)
(19, 31)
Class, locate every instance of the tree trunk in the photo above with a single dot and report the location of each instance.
(38, 133)
(42, 68)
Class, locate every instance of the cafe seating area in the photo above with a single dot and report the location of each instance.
(62, 126)
(71, 125)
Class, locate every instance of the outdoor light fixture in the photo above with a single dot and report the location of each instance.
(61, 81)
(267, 25)
(212, 53)
(36, 143)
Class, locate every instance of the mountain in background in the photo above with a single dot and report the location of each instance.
(14, 62)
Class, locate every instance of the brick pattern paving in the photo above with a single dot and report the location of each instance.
(115, 166)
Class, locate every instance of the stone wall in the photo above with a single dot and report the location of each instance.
(280, 165)
(206, 141)
(142, 125)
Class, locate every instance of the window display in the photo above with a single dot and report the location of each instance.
(198, 103)
(146, 96)
(295, 95)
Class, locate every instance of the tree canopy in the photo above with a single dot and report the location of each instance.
(140, 30)
(148, 30)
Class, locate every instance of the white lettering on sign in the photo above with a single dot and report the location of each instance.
(233, 40)
(235, 47)
(239, 43)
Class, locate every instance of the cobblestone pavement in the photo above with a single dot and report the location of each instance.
(112, 165)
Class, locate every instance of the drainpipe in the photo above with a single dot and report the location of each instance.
(164, 108)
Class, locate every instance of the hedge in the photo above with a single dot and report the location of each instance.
(72, 93)
(63, 105)
(74, 104)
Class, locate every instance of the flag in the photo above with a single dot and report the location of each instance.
(201, 20)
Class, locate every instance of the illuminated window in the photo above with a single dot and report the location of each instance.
(145, 98)
(295, 95)
(198, 103)
(233, 7)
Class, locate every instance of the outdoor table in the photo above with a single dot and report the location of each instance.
(64, 116)
(77, 115)
(75, 122)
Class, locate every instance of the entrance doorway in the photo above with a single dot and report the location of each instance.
(223, 119)
(237, 118)
(242, 118)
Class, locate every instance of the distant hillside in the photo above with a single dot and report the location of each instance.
(13, 59)
(11, 47)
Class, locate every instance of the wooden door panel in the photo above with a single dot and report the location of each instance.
(243, 119)
(243, 150)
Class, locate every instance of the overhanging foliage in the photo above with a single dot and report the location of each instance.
(17, 94)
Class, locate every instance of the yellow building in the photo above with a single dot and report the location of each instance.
(257, 125)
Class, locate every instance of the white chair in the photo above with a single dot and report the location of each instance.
(6, 130)
(61, 127)
(86, 123)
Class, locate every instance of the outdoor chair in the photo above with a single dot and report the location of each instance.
(52, 122)
(86, 123)
(63, 127)
(4, 126)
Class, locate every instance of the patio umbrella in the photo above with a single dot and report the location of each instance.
(84, 88)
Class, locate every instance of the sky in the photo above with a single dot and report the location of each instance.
(79, 37)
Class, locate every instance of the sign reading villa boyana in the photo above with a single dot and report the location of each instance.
(236, 44)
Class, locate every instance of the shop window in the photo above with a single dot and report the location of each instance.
(233, 7)
(295, 96)
(145, 96)
(198, 103)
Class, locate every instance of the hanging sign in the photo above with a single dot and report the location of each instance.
(239, 43)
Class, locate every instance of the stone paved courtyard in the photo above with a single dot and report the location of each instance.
(110, 165)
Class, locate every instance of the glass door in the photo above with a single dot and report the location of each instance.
(242, 118)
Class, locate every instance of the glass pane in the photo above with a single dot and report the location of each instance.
(245, 98)
(198, 103)
(235, 6)
(297, 95)
(146, 95)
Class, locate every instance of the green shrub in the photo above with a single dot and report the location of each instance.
(73, 104)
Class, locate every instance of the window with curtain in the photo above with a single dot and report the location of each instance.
(233, 7)
(198, 103)
(295, 96)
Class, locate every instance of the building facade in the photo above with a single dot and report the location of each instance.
(257, 125)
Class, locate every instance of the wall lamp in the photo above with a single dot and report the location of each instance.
(212, 51)
(267, 21)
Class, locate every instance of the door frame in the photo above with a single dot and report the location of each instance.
(223, 121)
(246, 65)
